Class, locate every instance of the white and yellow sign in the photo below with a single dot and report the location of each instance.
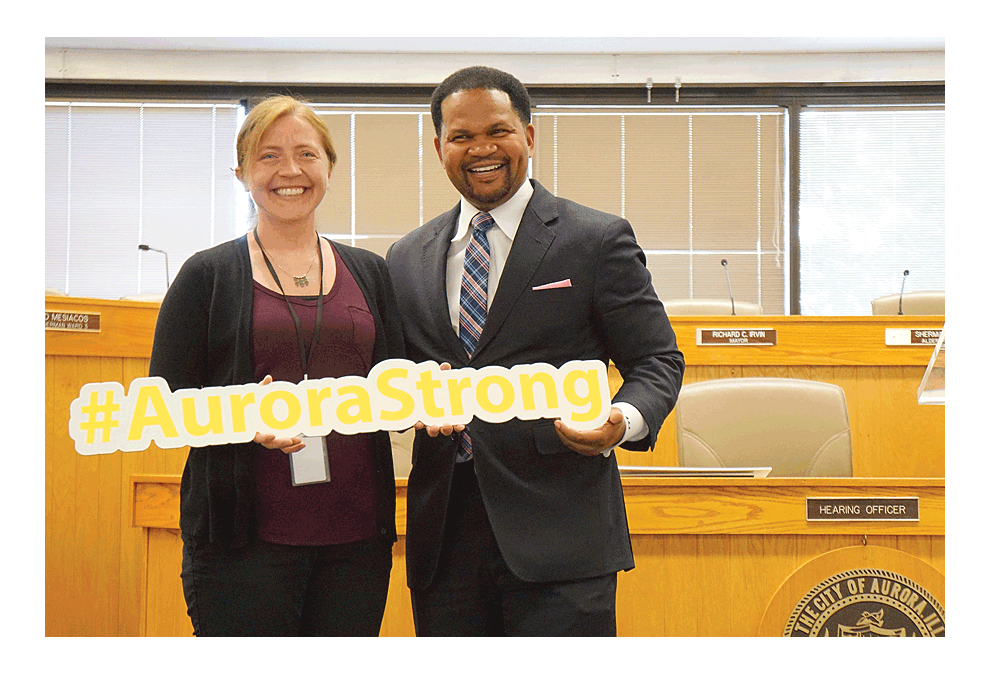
(394, 396)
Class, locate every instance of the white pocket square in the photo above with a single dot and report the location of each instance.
(565, 283)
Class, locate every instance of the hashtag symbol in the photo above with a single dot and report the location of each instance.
(99, 416)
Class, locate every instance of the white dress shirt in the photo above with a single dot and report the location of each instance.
(500, 236)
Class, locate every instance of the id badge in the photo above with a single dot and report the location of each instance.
(311, 464)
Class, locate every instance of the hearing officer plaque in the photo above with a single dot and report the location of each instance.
(862, 508)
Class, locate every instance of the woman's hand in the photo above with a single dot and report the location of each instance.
(286, 445)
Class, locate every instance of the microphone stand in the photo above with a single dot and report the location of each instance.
(732, 300)
(145, 247)
(900, 301)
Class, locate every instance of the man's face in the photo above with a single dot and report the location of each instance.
(484, 146)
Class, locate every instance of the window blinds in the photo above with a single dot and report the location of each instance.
(697, 185)
(123, 174)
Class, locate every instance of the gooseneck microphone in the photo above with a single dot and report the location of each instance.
(725, 264)
(145, 247)
(900, 301)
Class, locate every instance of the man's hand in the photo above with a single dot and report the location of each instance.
(594, 441)
(444, 429)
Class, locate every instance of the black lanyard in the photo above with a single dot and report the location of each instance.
(295, 317)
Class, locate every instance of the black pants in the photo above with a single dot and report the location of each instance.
(267, 589)
(474, 593)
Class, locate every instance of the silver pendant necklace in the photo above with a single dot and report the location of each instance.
(300, 280)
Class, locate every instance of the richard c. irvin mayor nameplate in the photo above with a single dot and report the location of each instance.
(745, 337)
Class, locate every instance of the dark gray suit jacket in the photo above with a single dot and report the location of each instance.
(557, 515)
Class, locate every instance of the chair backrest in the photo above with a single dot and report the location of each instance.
(709, 307)
(798, 427)
(917, 303)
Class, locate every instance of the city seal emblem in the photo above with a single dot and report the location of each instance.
(867, 603)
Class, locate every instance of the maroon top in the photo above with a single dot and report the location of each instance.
(342, 510)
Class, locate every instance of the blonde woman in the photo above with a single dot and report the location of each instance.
(264, 554)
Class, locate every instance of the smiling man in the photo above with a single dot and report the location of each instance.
(484, 146)
(519, 528)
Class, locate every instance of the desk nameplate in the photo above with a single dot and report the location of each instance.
(862, 508)
(924, 337)
(72, 321)
(744, 337)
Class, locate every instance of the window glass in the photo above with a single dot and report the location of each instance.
(123, 174)
(872, 204)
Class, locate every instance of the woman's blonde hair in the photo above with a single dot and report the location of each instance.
(265, 113)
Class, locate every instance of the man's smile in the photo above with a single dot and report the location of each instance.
(487, 168)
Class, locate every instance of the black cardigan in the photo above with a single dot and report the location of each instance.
(203, 338)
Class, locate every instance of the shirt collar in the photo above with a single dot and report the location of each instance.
(507, 216)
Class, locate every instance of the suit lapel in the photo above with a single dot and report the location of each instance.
(529, 247)
(435, 279)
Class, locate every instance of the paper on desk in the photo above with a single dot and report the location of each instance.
(695, 472)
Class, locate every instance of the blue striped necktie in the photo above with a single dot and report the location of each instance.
(474, 298)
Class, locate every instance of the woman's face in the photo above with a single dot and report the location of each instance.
(289, 172)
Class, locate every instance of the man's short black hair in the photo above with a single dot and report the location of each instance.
(480, 77)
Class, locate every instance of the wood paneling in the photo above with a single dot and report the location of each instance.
(94, 557)
(127, 328)
(696, 585)
(892, 435)
(731, 506)
(107, 576)
(918, 569)
(807, 340)
(710, 554)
